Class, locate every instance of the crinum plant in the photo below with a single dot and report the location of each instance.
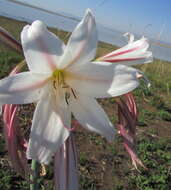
(62, 80)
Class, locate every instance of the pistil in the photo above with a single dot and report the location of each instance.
(58, 79)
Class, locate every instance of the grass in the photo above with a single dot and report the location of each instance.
(153, 152)
(105, 166)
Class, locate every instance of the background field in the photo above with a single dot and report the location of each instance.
(105, 166)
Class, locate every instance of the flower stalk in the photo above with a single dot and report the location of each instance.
(7, 39)
(34, 175)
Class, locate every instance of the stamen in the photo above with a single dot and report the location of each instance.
(67, 96)
(54, 84)
(59, 82)
(58, 78)
(73, 93)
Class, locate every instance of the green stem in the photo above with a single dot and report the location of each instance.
(34, 176)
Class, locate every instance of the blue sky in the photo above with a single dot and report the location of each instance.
(149, 17)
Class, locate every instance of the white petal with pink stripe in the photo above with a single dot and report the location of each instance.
(135, 52)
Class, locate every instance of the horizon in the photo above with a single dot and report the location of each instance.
(67, 21)
(155, 23)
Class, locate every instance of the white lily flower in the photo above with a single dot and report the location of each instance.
(135, 52)
(63, 80)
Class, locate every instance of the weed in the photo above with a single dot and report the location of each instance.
(157, 177)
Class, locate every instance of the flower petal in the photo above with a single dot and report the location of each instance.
(22, 88)
(91, 116)
(81, 47)
(48, 132)
(65, 166)
(135, 52)
(102, 79)
(42, 48)
(130, 37)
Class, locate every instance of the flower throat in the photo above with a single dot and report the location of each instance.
(58, 81)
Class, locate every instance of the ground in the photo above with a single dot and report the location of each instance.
(105, 166)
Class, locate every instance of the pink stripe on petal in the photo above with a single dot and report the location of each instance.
(122, 52)
(79, 52)
(37, 85)
(82, 45)
(123, 59)
(45, 53)
(33, 86)
(76, 57)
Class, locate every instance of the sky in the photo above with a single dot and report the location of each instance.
(145, 17)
